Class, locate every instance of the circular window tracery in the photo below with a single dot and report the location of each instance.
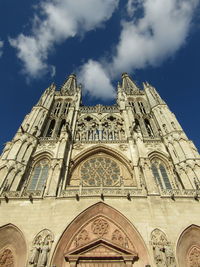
(100, 171)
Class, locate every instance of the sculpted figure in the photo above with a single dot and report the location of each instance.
(169, 256)
(44, 254)
(35, 253)
(158, 256)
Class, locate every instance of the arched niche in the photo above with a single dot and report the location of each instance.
(100, 233)
(188, 247)
(13, 246)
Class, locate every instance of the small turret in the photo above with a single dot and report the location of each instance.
(70, 85)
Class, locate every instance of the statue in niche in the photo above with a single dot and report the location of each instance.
(35, 251)
(42, 262)
(162, 249)
(158, 256)
(41, 248)
(170, 260)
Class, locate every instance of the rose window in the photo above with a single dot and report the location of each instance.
(100, 171)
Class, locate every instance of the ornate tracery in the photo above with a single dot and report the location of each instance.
(193, 257)
(6, 258)
(89, 128)
(100, 170)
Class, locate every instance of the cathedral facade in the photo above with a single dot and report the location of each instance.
(101, 186)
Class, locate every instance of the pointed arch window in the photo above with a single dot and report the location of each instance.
(63, 122)
(132, 104)
(51, 128)
(57, 108)
(66, 108)
(160, 174)
(39, 175)
(141, 107)
(148, 128)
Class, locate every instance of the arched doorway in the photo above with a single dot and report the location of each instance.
(13, 250)
(100, 237)
(188, 247)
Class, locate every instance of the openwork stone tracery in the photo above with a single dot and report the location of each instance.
(6, 258)
(193, 258)
(89, 128)
(99, 171)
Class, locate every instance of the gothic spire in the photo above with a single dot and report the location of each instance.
(70, 85)
(49, 91)
(152, 95)
(128, 84)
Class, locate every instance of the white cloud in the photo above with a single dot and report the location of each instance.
(1, 48)
(62, 19)
(96, 81)
(157, 35)
(161, 29)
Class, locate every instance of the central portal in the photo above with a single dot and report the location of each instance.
(100, 237)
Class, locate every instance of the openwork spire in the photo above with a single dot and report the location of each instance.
(128, 84)
(70, 85)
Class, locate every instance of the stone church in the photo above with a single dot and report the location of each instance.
(101, 186)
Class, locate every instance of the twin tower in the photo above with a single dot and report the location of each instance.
(129, 168)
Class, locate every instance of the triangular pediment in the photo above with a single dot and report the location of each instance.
(99, 248)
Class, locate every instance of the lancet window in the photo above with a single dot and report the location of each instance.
(160, 174)
(62, 123)
(141, 107)
(39, 175)
(132, 104)
(57, 108)
(51, 128)
(148, 128)
(66, 108)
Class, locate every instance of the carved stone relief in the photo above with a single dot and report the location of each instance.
(6, 258)
(101, 228)
(162, 250)
(193, 258)
(40, 249)
(82, 238)
(119, 238)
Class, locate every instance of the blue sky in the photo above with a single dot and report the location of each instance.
(153, 40)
